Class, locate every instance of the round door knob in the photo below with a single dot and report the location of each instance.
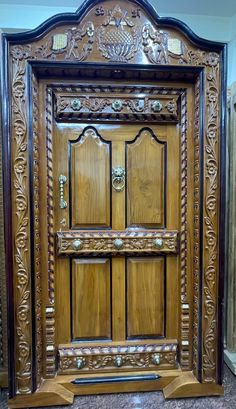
(156, 359)
(80, 362)
(77, 244)
(118, 243)
(158, 243)
(118, 361)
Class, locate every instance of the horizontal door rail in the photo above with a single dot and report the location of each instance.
(116, 242)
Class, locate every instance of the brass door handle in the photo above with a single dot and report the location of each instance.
(62, 181)
(118, 178)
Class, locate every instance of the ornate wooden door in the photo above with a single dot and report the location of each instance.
(117, 225)
(114, 149)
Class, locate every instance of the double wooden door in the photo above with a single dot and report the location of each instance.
(117, 211)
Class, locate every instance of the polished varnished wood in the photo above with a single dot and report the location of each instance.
(146, 199)
(89, 164)
(135, 312)
(146, 297)
(91, 304)
(102, 156)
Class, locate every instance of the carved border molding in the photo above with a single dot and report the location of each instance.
(37, 241)
(187, 55)
(108, 357)
(102, 243)
(50, 309)
(196, 261)
(211, 221)
(88, 102)
(184, 313)
(50, 211)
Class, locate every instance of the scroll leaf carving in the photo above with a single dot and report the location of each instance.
(210, 217)
(21, 216)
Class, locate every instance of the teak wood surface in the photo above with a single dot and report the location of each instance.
(114, 143)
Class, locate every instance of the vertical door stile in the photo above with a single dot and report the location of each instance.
(118, 263)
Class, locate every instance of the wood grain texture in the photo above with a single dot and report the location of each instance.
(187, 386)
(145, 297)
(91, 302)
(146, 169)
(90, 181)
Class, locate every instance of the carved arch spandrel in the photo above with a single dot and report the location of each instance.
(83, 41)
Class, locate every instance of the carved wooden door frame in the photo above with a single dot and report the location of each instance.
(72, 41)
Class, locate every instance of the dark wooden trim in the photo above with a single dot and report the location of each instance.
(223, 214)
(76, 17)
(6, 163)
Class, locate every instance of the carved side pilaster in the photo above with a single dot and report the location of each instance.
(20, 207)
(211, 220)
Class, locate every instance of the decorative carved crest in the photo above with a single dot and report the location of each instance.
(118, 37)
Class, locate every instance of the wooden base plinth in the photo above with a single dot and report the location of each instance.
(49, 394)
(61, 391)
(187, 386)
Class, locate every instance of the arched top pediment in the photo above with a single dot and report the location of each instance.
(115, 31)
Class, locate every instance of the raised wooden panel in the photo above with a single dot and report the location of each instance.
(146, 163)
(91, 303)
(145, 297)
(90, 180)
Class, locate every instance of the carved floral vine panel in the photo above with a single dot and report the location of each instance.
(112, 35)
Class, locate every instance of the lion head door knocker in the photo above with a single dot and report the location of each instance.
(118, 178)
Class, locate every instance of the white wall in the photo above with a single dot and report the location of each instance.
(18, 17)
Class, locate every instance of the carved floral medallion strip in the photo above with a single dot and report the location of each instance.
(116, 242)
(107, 357)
